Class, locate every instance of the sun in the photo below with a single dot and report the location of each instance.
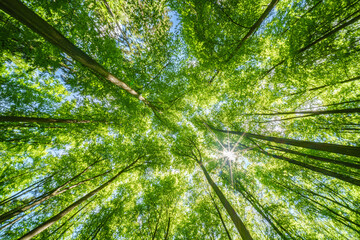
(229, 154)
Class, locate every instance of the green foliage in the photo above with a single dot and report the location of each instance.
(65, 132)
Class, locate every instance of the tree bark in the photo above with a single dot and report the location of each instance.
(327, 147)
(221, 218)
(316, 169)
(259, 208)
(117, 24)
(324, 86)
(26, 16)
(321, 112)
(59, 190)
(42, 120)
(253, 28)
(322, 159)
(42, 227)
(167, 229)
(323, 206)
(244, 233)
(328, 34)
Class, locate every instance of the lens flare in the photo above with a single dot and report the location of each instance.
(229, 154)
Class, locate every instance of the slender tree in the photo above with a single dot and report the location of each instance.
(22, 13)
(67, 210)
(327, 147)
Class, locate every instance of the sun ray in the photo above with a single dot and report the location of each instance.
(214, 136)
(238, 141)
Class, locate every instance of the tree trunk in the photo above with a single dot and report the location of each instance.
(42, 227)
(71, 217)
(259, 208)
(328, 34)
(59, 190)
(26, 16)
(167, 229)
(244, 233)
(327, 147)
(324, 86)
(156, 226)
(328, 198)
(221, 218)
(42, 120)
(298, 19)
(253, 28)
(250, 32)
(351, 110)
(117, 24)
(101, 225)
(316, 169)
(323, 206)
(322, 159)
(26, 190)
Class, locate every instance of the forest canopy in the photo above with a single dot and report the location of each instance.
(180, 119)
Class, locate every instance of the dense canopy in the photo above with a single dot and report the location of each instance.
(180, 119)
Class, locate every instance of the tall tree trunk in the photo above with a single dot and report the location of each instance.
(324, 86)
(101, 225)
(326, 35)
(240, 226)
(315, 169)
(59, 190)
(327, 147)
(298, 19)
(26, 16)
(26, 190)
(336, 195)
(221, 218)
(156, 226)
(248, 35)
(253, 28)
(42, 120)
(322, 159)
(351, 110)
(340, 103)
(117, 24)
(71, 217)
(259, 208)
(42, 227)
(328, 198)
(167, 229)
(329, 33)
(324, 207)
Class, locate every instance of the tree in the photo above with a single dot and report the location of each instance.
(243, 115)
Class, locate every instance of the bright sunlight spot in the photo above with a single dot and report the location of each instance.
(229, 154)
